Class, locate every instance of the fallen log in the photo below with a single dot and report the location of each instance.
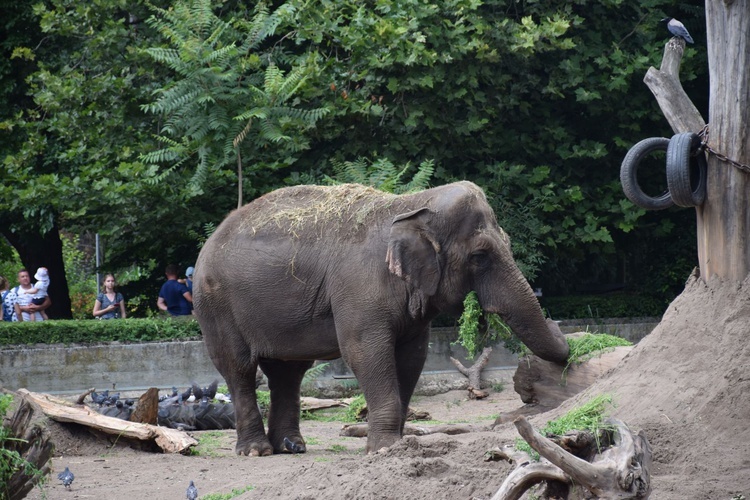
(621, 471)
(169, 440)
(543, 385)
(360, 430)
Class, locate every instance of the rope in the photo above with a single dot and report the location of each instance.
(703, 134)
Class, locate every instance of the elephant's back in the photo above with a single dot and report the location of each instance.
(310, 213)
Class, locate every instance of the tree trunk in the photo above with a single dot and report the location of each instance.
(723, 221)
(43, 250)
(723, 234)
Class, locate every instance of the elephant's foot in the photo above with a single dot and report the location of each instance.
(292, 445)
(377, 442)
(254, 449)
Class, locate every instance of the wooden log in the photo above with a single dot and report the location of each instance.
(543, 385)
(169, 440)
(360, 430)
(147, 409)
(474, 372)
(622, 471)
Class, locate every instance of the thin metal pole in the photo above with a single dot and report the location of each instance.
(98, 281)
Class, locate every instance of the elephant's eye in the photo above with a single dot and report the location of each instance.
(479, 259)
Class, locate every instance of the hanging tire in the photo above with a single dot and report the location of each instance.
(629, 175)
(686, 170)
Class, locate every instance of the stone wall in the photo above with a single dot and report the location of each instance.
(118, 366)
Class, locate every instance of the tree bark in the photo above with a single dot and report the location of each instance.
(723, 221)
(619, 471)
(474, 373)
(726, 218)
(43, 250)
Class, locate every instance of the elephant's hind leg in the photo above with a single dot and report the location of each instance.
(284, 381)
(236, 363)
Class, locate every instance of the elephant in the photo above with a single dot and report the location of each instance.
(311, 273)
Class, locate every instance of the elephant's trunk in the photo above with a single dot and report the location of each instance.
(521, 312)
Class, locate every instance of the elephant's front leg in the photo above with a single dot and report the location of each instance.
(410, 358)
(375, 369)
(284, 381)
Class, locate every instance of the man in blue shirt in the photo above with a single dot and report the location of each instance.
(174, 297)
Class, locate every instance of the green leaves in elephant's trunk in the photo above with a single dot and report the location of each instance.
(477, 329)
(525, 319)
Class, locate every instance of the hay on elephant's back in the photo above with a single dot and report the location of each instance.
(320, 208)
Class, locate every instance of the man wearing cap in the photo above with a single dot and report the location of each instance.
(174, 297)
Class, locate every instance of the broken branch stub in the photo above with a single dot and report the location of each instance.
(619, 472)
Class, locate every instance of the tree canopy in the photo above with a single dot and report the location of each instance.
(133, 120)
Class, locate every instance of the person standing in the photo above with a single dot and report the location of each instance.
(22, 305)
(174, 297)
(4, 291)
(109, 304)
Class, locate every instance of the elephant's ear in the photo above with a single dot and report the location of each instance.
(413, 256)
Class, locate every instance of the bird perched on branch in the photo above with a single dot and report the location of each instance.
(66, 477)
(677, 29)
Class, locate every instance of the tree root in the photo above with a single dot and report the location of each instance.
(620, 471)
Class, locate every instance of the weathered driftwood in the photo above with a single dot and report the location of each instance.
(360, 430)
(474, 373)
(32, 442)
(169, 440)
(312, 404)
(147, 409)
(621, 471)
(543, 385)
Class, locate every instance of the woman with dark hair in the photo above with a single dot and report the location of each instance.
(109, 303)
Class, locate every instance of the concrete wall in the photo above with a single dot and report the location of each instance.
(59, 368)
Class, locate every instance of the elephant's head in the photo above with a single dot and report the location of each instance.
(452, 245)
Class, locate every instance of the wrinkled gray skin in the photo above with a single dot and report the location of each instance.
(312, 272)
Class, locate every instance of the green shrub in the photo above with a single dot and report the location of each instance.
(612, 305)
(92, 331)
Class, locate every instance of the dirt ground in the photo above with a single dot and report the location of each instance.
(687, 385)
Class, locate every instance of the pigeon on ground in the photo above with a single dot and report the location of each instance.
(185, 395)
(192, 492)
(677, 29)
(197, 391)
(66, 477)
(293, 447)
(98, 398)
(224, 398)
(210, 391)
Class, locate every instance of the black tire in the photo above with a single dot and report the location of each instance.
(686, 170)
(629, 175)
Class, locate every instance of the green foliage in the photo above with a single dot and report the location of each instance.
(223, 107)
(382, 174)
(477, 330)
(88, 331)
(227, 496)
(355, 408)
(587, 346)
(613, 305)
(581, 348)
(587, 417)
(264, 400)
(314, 372)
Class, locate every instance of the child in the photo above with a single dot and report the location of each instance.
(39, 291)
